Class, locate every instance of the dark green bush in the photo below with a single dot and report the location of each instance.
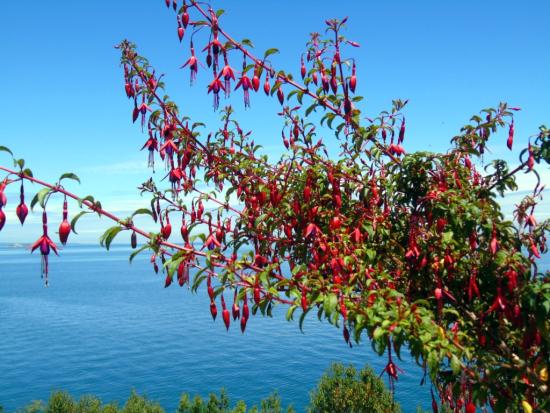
(344, 390)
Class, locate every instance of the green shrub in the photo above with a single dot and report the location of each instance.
(139, 404)
(343, 390)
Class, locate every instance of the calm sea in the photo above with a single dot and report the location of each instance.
(105, 326)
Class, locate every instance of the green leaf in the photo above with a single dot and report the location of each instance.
(290, 312)
(40, 197)
(330, 303)
(4, 149)
(220, 12)
(109, 235)
(247, 42)
(27, 172)
(76, 218)
(378, 332)
(142, 211)
(69, 175)
(88, 198)
(271, 51)
(310, 109)
(136, 252)
(455, 364)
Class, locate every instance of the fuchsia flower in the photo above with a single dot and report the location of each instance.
(215, 86)
(152, 146)
(246, 84)
(227, 74)
(193, 64)
(45, 244)
(216, 46)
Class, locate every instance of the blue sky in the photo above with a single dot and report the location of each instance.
(63, 106)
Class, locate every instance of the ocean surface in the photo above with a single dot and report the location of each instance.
(105, 327)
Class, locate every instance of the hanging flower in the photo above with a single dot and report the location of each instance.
(45, 244)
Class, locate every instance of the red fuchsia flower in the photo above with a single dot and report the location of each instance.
(129, 88)
(152, 146)
(193, 64)
(215, 86)
(211, 242)
(168, 148)
(175, 176)
(45, 244)
(216, 47)
(246, 84)
(227, 74)
(143, 108)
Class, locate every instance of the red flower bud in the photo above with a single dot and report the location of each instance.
(401, 132)
(225, 316)
(267, 86)
(133, 240)
(256, 83)
(280, 95)
(185, 18)
(510, 140)
(2, 219)
(243, 323)
(166, 231)
(213, 309)
(22, 212)
(64, 231)
(246, 311)
(334, 84)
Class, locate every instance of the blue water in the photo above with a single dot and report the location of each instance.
(105, 326)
